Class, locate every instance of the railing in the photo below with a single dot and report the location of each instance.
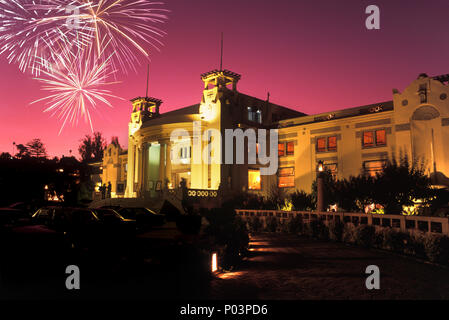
(202, 193)
(403, 223)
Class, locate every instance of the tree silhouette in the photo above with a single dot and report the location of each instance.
(5, 156)
(92, 147)
(22, 152)
(36, 149)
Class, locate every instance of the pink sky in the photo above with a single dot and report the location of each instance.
(312, 56)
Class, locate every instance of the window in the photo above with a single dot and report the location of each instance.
(321, 144)
(290, 148)
(376, 138)
(184, 153)
(281, 149)
(381, 138)
(373, 167)
(332, 143)
(254, 179)
(286, 148)
(326, 144)
(286, 177)
(254, 114)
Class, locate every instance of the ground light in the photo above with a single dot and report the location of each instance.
(214, 263)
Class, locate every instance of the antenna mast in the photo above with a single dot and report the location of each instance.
(148, 80)
(221, 56)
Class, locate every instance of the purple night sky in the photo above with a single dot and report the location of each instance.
(312, 56)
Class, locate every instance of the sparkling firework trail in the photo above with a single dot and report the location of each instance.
(74, 46)
(28, 35)
(129, 25)
(75, 85)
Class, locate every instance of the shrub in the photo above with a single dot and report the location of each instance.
(295, 224)
(323, 232)
(415, 246)
(272, 224)
(348, 233)
(283, 226)
(255, 224)
(395, 241)
(315, 229)
(378, 238)
(302, 201)
(226, 230)
(364, 235)
(437, 248)
(335, 230)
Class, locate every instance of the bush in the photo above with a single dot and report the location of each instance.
(226, 230)
(295, 225)
(348, 233)
(315, 229)
(395, 241)
(414, 246)
(335, 230)
(255, 224)
(284, 226)
(302, 201)
(323, 232)
(437, 248)
(378, 239)
(364, 235)
(272, 224)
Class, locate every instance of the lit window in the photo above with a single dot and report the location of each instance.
(332, 143)
(253, 179)
(321, 144)
(375, 138)
(286, 177)
(281, 149)
(381, 138)
(373, 167)
(368, 139)
(290, 148)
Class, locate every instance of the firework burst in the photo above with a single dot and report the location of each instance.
(75, 85)
(130, 26)
(28, 35)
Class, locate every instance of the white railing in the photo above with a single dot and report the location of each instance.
(403, 223)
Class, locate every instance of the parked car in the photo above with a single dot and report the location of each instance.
(13, 217)
(87, 227)
(145, 218)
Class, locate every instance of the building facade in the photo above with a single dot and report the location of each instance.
(349, 141)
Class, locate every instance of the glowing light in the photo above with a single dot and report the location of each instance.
(131, 26)
(320, 166)
(214, 262)
(75, 85)
(35, 29)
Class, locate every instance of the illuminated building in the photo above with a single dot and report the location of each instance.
(347, 141)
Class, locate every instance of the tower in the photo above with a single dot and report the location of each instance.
(144, 108)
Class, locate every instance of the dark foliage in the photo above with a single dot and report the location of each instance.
(302, 201)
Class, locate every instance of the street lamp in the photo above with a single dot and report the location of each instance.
(320, 187)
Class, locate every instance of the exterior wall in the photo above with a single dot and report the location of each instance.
(418, 127)
(114, 170)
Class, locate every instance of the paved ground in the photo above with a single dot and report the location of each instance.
(288, 267)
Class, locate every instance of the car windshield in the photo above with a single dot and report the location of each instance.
(103, 214)
(132, 213)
